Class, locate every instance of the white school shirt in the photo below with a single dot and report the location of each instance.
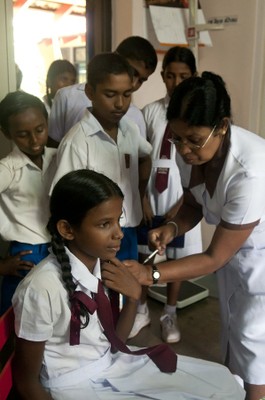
(68, 108)
(238, 202)
(24, 196)
(87, 146)
(42, 313)
(156, 122)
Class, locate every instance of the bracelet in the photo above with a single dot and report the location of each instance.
(176, 227)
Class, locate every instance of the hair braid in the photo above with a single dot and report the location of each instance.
(58, 249)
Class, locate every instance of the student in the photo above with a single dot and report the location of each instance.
(70, 103)
(25, 177)
(49, 362)
(222, 168)
(162, 202)
(61, 73)
(108, 142)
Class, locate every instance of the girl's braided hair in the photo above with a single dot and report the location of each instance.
(72, 197)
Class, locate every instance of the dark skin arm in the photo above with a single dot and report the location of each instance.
(26, 370)
(189, 214)
(225, 243)
(122, 281)
(145, 165)
(11, 265)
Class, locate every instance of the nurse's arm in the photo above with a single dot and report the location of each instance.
(225, 243)
(26, 370)
(188, 216)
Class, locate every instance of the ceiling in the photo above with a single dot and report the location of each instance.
(59, 7)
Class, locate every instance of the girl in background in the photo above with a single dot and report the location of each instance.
(61, 73)
(25, 177)
(162, 203)
(50, 363)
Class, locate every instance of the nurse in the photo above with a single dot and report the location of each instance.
(222, 168)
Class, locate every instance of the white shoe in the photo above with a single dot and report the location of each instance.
(141, 320)
(169, 328)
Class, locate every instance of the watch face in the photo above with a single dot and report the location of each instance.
(156, 274)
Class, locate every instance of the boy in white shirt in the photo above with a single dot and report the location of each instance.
(107, 142)
(70, 103)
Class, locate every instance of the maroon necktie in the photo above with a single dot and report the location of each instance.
(162, 355)
(161, 179)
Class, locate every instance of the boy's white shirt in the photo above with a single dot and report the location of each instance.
(88, 146)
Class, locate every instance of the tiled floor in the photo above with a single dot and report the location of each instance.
(199, 324)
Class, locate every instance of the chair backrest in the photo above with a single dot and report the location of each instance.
(6, 352)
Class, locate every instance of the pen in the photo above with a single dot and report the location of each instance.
(150, 256)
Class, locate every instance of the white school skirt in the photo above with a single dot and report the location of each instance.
(134, 377)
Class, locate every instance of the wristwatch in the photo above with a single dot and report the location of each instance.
(155, 274)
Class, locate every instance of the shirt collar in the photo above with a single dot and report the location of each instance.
(96, 128)
(166, 101)
(209, 172)
(20, 159)
(86, 281)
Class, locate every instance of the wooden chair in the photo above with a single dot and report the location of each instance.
(6, 352)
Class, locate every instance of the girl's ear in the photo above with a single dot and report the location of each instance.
(89, 91)
(65, 229)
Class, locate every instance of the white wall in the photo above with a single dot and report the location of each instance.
(7, 63)
(237, 54)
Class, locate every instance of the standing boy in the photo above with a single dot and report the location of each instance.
(107, 142)
(70, 103)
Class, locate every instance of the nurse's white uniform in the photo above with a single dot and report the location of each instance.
(156, 122)
(89, 371)
(237, 202)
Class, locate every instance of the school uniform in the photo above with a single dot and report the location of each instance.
(156, 122)
(69, 108)
(90, 370)
(24, 209)
(231, 191)
(88, 146)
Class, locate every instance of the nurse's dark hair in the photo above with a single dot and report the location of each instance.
(72, 197)
(16, 102)
(181, 55)
(104, 64)
(200, 101)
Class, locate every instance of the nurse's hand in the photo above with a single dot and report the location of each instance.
(143, 273)
(118, 277)
(158, 238)
(13, 265)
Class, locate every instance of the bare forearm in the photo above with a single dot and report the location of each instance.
(187, 218)
(26, 370)
(182, 269)
(31, 390)
(145, 165)
(126, 319)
